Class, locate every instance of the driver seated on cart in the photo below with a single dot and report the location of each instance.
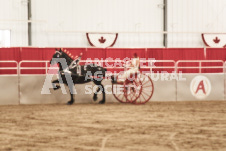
(134, 66)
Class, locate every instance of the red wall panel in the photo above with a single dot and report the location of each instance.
(28, 53)
(125, 52)
(215, 54)
(175, 54)
(9, 54)
(156, 53)
(94, 53)
(183, 54)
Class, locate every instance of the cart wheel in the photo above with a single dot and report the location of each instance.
(132, 89)
(146, 89)
(119, 92)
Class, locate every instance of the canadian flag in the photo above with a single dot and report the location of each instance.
(214, 39)
(102, 40)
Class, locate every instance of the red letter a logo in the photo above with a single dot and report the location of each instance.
(201, 86)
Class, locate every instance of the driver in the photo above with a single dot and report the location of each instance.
(134, 65)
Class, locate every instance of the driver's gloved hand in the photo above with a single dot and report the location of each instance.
(67, 71)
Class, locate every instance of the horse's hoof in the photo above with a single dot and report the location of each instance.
(57, 87)
(102, 102)
(94, 98)
(70, 102)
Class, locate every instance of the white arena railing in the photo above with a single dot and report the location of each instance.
(175, 65)
(33, 68)
(160, 67)
(200, 67)
(99, 62)
(16, 68)
(152, 62)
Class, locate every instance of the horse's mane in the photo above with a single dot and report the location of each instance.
(68, 55)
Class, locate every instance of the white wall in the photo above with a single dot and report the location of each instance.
(196, 17)
(55, 21)
(62, 17)
(13, 16)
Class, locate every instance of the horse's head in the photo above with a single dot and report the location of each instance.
(63, 58)
(57, 54)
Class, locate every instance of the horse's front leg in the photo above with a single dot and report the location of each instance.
(95, 94)
(69, 81)
(55, 87)
(100, 87)
(71, 89)
(72, 100)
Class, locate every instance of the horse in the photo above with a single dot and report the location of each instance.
(80, 74)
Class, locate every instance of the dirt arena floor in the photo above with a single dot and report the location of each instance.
(156, 126)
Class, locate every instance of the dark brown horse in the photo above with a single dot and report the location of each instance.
(78, 74)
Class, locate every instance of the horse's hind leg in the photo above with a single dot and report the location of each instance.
(95, 94)
(100, 87)
(103, 92)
